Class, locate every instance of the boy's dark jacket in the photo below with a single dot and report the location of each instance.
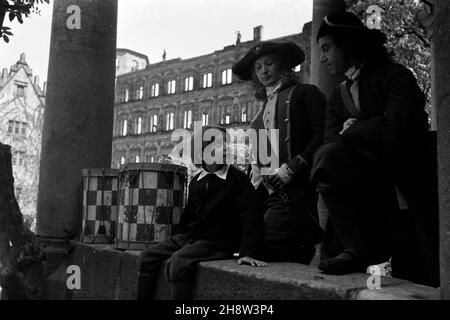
(224, 211)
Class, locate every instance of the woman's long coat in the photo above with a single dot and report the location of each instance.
(392, 129)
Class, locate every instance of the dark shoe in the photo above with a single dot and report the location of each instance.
(344, 263)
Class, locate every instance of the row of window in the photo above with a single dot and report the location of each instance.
(17, 127)
(169, 122)
(124, 95)
(18, 158)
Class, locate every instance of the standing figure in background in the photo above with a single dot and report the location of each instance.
(297, 111)
(374, 159)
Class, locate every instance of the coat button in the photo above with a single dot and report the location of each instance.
(286, 120)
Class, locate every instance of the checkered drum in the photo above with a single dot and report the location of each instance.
(100, 188)
(151, 200)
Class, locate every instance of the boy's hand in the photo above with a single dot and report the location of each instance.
(251, 262)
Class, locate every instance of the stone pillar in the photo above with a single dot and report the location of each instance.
(78, 123)
(441, 101)
(319, 73)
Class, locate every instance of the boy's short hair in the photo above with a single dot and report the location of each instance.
(199, 143)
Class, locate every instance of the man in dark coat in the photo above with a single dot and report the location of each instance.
(373, 158)
(297, 112)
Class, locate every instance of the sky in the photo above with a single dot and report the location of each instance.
(184, 28)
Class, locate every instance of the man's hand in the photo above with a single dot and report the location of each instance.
(281, 178)
(274, 181)
(348, 124)
(251, 262)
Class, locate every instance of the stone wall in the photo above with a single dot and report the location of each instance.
(111, 274)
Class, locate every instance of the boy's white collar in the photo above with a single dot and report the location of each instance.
(222, 173)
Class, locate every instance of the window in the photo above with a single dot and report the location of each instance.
(18, 192)
(153, 123)
(124, 127)
(187, 124)
(189, 84)
(135, 66)
(18, 158)
(139, 125)
(24, 128)
(137, 159)
(170, 121)
(10, 126)
(140, 93)
(20, 91)
(227, 76)
(17, 127)
(244, 114)
(122, 160)
(21, 156)
(227, 118)
(155, 90)
(205, 118)
(171, 87)
(207, 80)
(127, 95)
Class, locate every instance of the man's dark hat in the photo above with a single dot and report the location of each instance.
(289, 51)
(340, 22)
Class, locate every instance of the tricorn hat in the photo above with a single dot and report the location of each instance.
(341, 22)
(289, 51)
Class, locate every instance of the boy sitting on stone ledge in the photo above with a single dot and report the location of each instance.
(220, 218)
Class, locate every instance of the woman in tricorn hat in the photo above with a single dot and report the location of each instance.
(373, 158)
(297, 111)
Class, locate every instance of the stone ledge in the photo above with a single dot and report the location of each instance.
(111, 274)
(286, 281)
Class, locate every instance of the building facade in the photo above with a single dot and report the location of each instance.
(22, 102)
(172, 94)
(130, 61)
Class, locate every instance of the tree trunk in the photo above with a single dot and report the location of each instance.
(21, 261)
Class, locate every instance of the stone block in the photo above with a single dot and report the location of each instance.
(100, 270)
(128, 276)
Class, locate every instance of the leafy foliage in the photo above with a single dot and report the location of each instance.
(17, 10)
(408, 38)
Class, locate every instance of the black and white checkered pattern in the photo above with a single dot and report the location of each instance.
(100, 191)
(151, 200)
